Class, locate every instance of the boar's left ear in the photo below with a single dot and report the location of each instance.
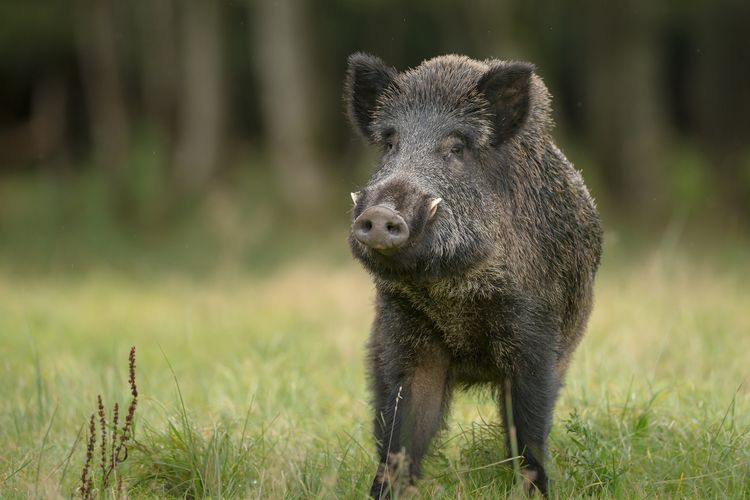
(366, 78)
(506, 88)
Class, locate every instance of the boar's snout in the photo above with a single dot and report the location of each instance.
(380, 228)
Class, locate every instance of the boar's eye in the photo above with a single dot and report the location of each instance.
(456, 149)
(454, 146)
(389, 139)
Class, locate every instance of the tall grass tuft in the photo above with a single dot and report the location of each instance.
(189, 462)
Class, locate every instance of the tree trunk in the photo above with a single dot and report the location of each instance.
(489, 28)
(625, 116)
(201, 114)
(286, 81)
(719, 100)
(48, 120)
(157, 31)
(102, 83)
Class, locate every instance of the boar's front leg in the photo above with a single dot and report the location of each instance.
(531, 388)
(411, 393)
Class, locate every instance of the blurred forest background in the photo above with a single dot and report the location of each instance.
(194, 129)
(175, 175)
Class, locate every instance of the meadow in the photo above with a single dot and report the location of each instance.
(251, 384)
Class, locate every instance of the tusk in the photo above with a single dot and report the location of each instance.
(355, 196)
(433, 207)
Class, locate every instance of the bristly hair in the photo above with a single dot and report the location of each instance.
(449, 85)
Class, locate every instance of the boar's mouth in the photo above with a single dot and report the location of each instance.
(425, 257)
(412, 238)
(384, 229)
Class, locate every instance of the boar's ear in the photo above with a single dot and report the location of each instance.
(366, 78)
(506, 87)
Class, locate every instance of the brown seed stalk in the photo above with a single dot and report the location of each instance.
(115, 422)
(90, 443)
(103, 426)
(127, 426)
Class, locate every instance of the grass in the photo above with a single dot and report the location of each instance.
(252, 385)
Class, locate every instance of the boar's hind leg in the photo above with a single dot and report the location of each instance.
(405, 426)
(533, 390)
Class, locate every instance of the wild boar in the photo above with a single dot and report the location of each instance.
(483, 243)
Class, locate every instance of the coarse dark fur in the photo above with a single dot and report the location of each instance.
(496, 287)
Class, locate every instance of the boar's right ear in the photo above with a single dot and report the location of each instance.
(506, 88)
(366, 78)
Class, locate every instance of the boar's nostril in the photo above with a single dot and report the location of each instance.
(380, 228)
